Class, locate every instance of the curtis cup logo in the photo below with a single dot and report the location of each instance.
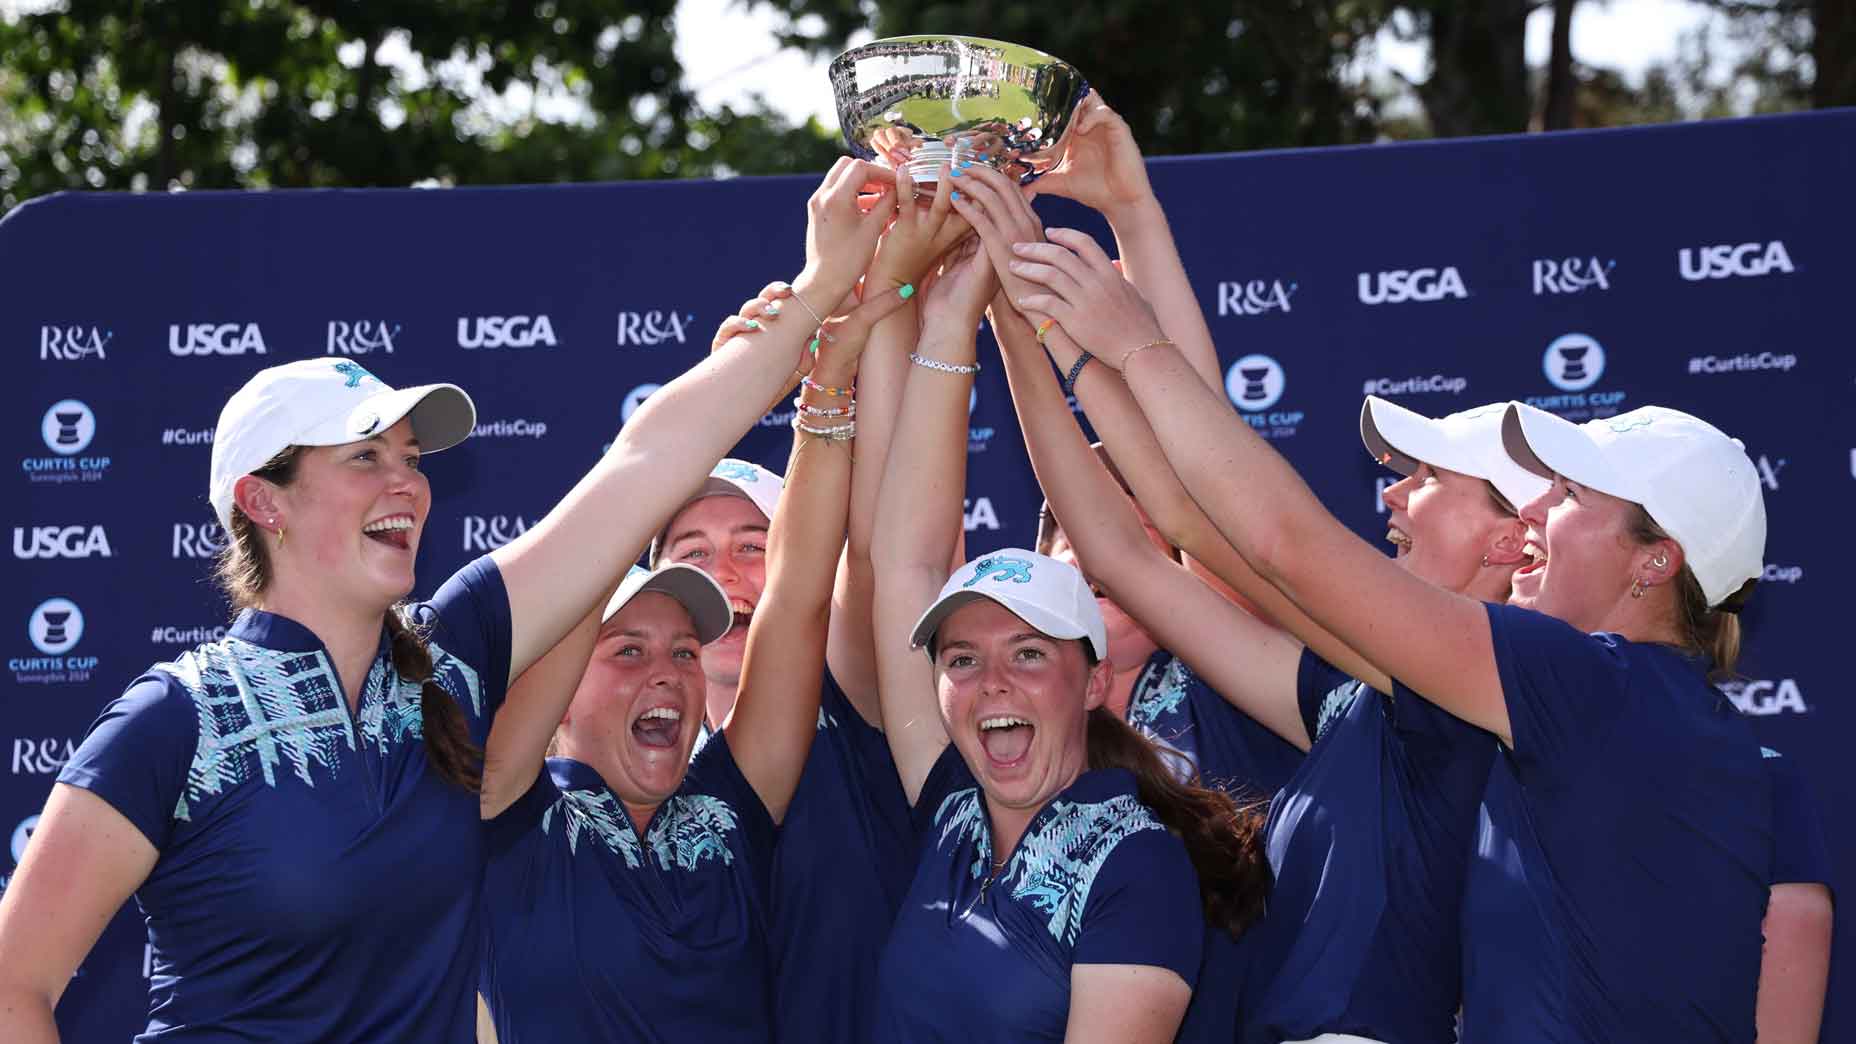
(1574, 362)
(1254, 383)
(55, 626)
(68, 427)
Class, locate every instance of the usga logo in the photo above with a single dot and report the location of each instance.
(67, 428)
(1728, 261)
(54, 628)
(215, 339)
(498, 331)
(1765, 697)
(198, 541)
(1571, 274)
(60, 542)
(361, 337)
(1254, 297)
(652, 327)
(1418, 284)
(70, 343)
(489, 532)
(977, 513)
(1574, 362)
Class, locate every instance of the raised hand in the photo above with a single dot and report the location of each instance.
(843, 337)
(1101, 166)
(748, 318)
(924, 230)
(1088, 297)
(966, 284)
(845, 217)
(997, 209)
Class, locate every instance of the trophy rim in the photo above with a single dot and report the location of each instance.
(921, 37)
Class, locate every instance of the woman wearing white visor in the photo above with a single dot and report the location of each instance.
(1065, 877)
(296, 808)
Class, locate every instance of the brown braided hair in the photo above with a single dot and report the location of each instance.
(243, 571)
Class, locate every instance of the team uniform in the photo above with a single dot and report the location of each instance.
(840, 868)
(1800, 854)
(1368, 842)
(317, 879)
(1199, 732)
(1620, 874)
(594, 933)
(979, 956)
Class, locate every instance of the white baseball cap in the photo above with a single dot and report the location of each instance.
(731, 478)
(693, 589)
(1043, 592)
(1469, 442)
(1695, 482)
(324, 402)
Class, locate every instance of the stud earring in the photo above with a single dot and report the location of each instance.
(1485, 561)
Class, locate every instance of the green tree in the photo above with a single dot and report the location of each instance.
(295, 93)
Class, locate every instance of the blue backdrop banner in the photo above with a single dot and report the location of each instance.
(1697, 266)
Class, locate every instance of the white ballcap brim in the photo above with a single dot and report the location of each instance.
(693, 589)
(1046, 622)
(442, 416)
(1466, 442)
(1549, 445)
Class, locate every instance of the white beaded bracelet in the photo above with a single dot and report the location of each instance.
(944, 367)
(839, 433)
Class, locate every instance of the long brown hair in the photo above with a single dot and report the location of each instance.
(1223, 838)
(243, 572)
(1712, 631)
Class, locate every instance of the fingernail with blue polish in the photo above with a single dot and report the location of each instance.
(964, 164)
(813, 347)
(753, 324)
(955, 196)
(906, 291)
(955, 172)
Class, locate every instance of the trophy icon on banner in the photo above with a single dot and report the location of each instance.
(1255, 386)
(67, 424)
(946, 99)
(1572, 359)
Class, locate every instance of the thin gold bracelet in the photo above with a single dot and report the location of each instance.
(1132, 352)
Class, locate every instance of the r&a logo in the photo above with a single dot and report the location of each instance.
(55, 626)
(70, 343)
(68, 427)
(652, 327)
(1769, 471)
(215, 339)
(489, 532)
(497, 331)
(1254, 297)
(361, 337)
(1254, 382)
(1728, 261)
(198, 541)
(1419, 284)
(41, 757)
(1764, 697)
(1574, 362)
(60, 542)
(1571, 275)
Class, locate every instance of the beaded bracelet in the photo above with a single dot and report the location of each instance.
(810, 410)
(840, 433)
(1076, 370)
(944, 367)
(826, 389)
(1044, 328)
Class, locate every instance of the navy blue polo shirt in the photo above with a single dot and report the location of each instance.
(979, 956)
(1800, 853)
(1199, 731)
(1626, 843)
(317, 880)
(842, 862)
(596, 934)
(1368, 842)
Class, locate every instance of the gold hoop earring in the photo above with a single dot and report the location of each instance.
(280, 538)
(1661, 561)
(1636, 587)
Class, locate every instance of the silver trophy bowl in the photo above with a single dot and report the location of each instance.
(915, 102)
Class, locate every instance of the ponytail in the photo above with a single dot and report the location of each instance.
(1711, 631)
(243, 571)
(1223, 839)
(447, 738)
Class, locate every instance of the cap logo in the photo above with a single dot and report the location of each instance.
(354, 373)
(736, 471)
(366, 423)
(1002, 569)
(1620, 425)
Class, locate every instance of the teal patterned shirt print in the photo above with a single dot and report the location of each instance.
(687, 831)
